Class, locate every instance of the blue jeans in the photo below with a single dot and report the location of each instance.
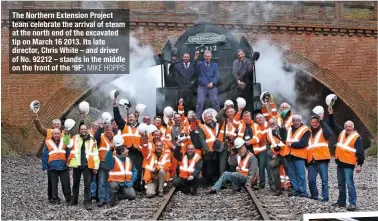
(345, 176)
(237, 180)
(202, 91)
(263, 161)
(297, 176)
(102, 185)
(313, 170)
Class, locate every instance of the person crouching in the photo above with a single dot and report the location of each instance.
(246, 169)
(124, 173)
(190, 169)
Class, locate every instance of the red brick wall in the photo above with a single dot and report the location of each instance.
(337, 42)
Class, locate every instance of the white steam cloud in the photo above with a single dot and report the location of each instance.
(273, 78)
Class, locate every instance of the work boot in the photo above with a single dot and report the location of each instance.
(212, 191)
(161, 194)
(73, 202)
(338, 205)
(101, 203)
(113, 197)
(51, 200)
(88, 205)
(193, 190)
(256, 187)
(277, 192)
(352, 208)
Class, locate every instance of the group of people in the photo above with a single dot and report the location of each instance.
(203, 77)
(212, 147)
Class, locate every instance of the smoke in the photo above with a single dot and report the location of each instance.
(275, 77)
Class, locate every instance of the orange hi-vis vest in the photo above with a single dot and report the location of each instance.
(301, 153)
(263, 129)
(345, 150)
(269, 114)
(131, 136)
(56, 152)
(243, 166)
(230, 131)
(105, 144)
(163, 131)
(187, 166)
(122, 171)
(153, 164)
(274, 141)
(255, 133)
(49, 134)
(289, 122)
(285, 181)
(209, 135)
(89, 154)
(318, 147)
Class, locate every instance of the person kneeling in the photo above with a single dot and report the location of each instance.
(190, 169)
(245, 170)
(123, 175)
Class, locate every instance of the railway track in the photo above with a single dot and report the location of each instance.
(224, 205)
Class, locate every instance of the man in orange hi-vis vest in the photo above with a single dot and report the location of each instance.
(157, 169)
(131, 136)
(297, 139)
(54, 159)
(318, 156)
(123, 173)
(190, 169)
(277, 151)
(349, 152)
(245, 171)
(47, 133)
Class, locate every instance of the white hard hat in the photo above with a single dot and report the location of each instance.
(151, 128)
(182, 137)
(140, 108)
(241, 102)
(142, 128)
(113, 93)
(84, 107)
(107, 117)
(34, 106)
(117, 140)
(123, 102)
(331, 99)
(238, 142)
(168, 111)
(262, 95)
(69, 124)
(166, 119)
(228, 102)
(318, 110)
(213, 113)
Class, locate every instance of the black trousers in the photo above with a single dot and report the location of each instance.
(186, 185)
(87, 175)
(187, 94)
(137, 159)
(210, 171)
(64, 177)
(49, 189)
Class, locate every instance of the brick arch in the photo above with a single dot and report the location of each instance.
(351, 98)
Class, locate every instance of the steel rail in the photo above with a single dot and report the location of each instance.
(258, 204)
(162, 207)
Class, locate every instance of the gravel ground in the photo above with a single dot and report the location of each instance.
(225, 205)
(24, 196)
(366, 186)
